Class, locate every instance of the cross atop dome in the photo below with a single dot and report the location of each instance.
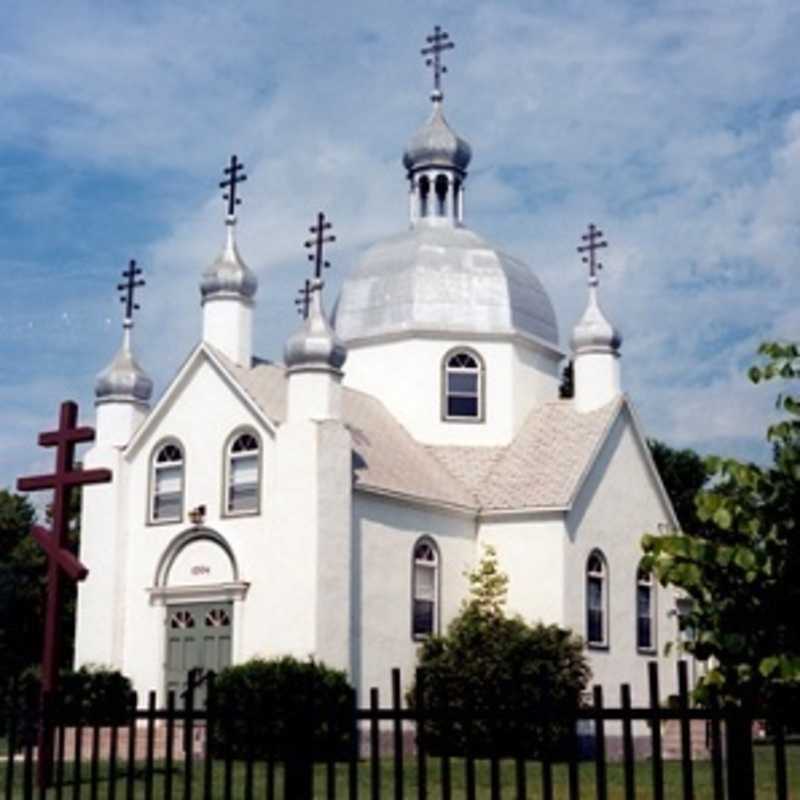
(438, 42)
(595, 242)
(132, 283)
(230, 183)
(318, 243)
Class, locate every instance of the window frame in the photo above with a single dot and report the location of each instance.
(437, 566)
(603, 574)
(227, 458)
(480, 417)
(152, 483)
(644, 578)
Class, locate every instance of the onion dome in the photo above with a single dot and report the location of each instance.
(123, 380)
(315, 346)
(442, 279)
(229, 276)
(435, 144)
(594, 333)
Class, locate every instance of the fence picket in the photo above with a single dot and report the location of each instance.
(627, 742)
(655, 732)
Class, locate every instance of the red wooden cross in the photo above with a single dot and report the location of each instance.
(62, 481)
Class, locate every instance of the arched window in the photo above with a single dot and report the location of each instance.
(596, 600)
(424, 192)
(166, 483)
(457, 199)
(645, 611)
(242, 474)
(442, 185)
(463, 386)
(425, 589)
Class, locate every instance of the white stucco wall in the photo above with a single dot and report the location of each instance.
(618, 503)
(384, 534)
(530, 551)
(389, 369)
(228, 326)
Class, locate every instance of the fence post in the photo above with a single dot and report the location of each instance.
(739, 745)
(298, 759)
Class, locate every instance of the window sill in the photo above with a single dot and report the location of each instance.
(421, 637)
(647, 651)
(598, 646)
(468, 420)
(155, 523)
(236, 514)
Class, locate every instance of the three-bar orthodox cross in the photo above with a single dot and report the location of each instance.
(304, 300)
(594, 239)
(230, 183)
(60, 559)
(438, 42)
(318, 243)
(132, 283)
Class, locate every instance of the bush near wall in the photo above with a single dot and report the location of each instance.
(91, 694)
(518, 684)
(264, 707)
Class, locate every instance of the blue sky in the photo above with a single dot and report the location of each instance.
(675, 126)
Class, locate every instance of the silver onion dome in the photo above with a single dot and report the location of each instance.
(442, 279)
(315, 345)
(123, 380)
(435, 144)
(593, 332)
(229, 275)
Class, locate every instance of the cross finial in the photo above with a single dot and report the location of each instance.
(594, 238)
(318, 243)
(438, 42)
(129, 288)
(230, 183)
(304, 300)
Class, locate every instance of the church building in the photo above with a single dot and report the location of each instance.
(330, 505)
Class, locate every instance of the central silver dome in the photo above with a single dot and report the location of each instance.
(442, 278)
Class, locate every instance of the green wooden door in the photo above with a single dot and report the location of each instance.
(198, 637)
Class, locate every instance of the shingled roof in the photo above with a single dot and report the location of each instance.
(541, 469)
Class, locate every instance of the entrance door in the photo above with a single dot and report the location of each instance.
(198, 636)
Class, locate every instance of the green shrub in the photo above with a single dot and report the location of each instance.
(91, 694)
(262, 707)
(518, 683)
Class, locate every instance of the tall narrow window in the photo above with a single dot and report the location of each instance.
(645, 611)
(167, 484)
(424, 192)
(457, 200)
(242, 485)
(463, 379)
(425, 590)
(596, 601)
(442, 186)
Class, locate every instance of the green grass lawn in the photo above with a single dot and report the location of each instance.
(672, 780)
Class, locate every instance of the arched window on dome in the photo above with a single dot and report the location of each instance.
(242, 473)
(166, 483)
(424, 193)
(425, 589)
(596, 600)
(463, 386)
(645, 611)
(442, 186)
(457, 200)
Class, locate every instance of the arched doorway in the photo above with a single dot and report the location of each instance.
(198, 582)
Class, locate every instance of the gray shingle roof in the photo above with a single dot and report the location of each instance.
(542, 468)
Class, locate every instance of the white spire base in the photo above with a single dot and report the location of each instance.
(596, 377)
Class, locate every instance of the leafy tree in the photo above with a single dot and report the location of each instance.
(740, 567)
(489, 664)
(23, 579)
(684, 474)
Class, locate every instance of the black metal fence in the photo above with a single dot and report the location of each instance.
(382, 751)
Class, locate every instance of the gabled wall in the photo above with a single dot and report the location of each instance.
(618, 503)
